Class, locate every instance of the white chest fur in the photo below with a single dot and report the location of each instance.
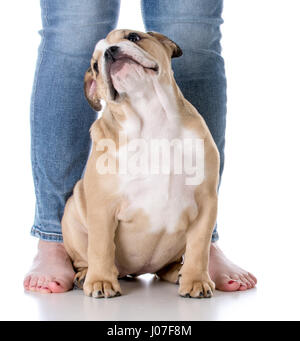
(163, 198)
(161, 192)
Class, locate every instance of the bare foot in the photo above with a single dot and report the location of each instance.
(51, 271)
(226, 275)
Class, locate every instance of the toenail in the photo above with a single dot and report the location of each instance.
(230, 282)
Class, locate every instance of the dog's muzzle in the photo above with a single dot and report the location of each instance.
(116, 53)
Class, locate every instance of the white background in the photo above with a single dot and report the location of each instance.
(259, 197)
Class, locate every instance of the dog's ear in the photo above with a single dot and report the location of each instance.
(175, 50)
(90, 90)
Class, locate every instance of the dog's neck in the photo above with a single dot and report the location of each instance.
(152, 112)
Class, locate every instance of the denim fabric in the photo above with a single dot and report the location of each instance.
(60, 115)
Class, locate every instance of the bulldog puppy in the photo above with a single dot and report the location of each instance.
(127, 219)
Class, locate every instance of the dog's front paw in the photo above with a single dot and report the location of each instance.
(102, 288)
(199, 286)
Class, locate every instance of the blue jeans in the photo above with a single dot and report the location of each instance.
(61, 116)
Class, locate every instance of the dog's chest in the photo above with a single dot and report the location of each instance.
(153, 183)
(152, 178)
(163, 199)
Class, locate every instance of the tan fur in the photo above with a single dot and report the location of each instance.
(103, 241)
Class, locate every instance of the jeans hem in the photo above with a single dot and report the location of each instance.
(215, 237)
(47, 236)
(57, 237)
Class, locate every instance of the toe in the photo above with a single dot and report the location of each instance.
(57, 287)
(26, 282)
(98, 290)
(197, 290)
(185, 288)
(111, 289)
(243, 287)
(245, 281)
(207, 290)
(251, 283)
(231, 285)
(44, 290)
(40, 282)
(42, 286)
(243, 284)
(235, 277)
(79, 279)
(227, 283)
(108, 289)
(33, 283)
(252, 277)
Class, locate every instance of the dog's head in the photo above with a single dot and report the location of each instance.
(123, 61)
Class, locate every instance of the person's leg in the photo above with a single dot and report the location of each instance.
(60, 122)
(195, 26)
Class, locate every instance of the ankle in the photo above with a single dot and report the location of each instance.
(214, 247)
(44, 245)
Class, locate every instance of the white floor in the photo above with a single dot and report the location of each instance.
(276, 297)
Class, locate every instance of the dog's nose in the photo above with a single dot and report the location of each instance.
(111, 52)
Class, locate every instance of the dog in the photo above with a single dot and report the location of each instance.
(119, 223)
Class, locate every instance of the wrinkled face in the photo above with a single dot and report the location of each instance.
(123, 61)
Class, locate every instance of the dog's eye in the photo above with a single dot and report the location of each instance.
(133, 37)
(95, 67)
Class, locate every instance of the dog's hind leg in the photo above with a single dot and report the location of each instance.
(170, 272)
(75, 240)
(80, 277)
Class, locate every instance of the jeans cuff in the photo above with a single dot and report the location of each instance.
(215, 237)
(57, 237)
(47, 236)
